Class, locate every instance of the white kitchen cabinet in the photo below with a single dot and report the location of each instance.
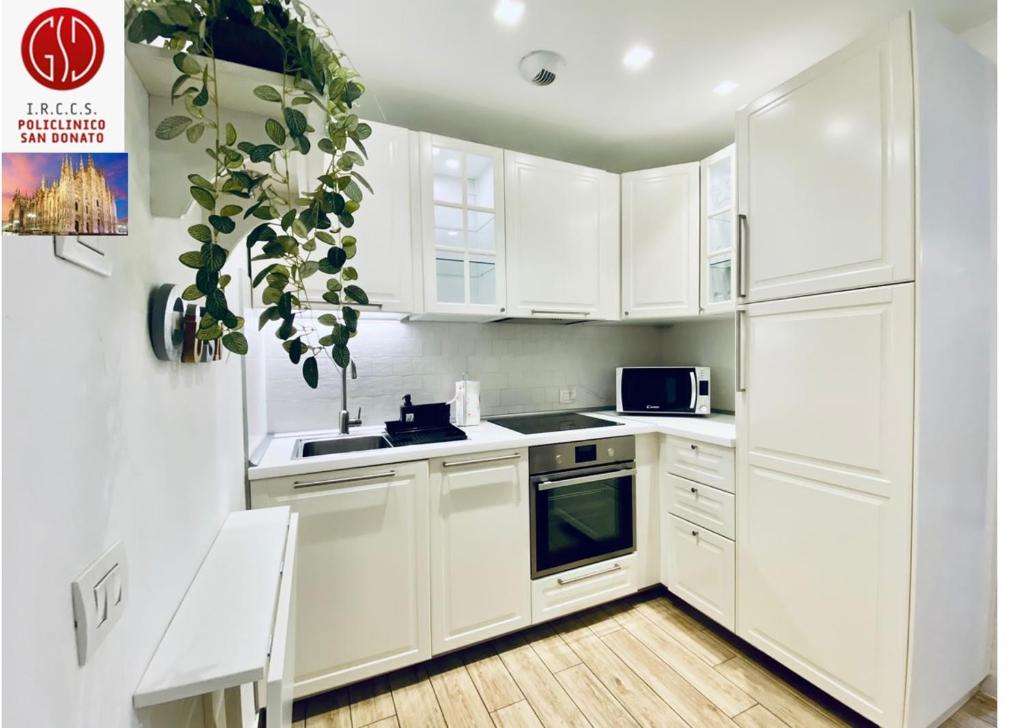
(699, 461)
(699, 567)
(562, 227)
(386, 260)
(586, 586)
(661, 230)
(718, 231)
(824, 492)
(462, 225)
(826, 174)
(362, 575)
(479, 547)
(701, 504)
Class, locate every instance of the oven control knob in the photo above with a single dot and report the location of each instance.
(611, 452)
(558, 457)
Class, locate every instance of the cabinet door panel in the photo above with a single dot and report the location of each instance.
(701, 504)
(386, 260)
(480, 549)
(660, 242)
(562, 226)
(700, 568)
(362, 589)
(824, 485)
(826, 174)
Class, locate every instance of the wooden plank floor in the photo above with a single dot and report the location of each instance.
(648, 660)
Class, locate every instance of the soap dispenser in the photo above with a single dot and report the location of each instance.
(406, 414)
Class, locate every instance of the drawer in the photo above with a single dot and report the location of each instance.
(587, 586)
(708, 464)
(706, 506)
(699, 567)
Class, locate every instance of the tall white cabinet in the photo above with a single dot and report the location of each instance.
(660, 242)
(863, 502)
(562, 229)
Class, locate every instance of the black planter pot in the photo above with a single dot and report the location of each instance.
(246, 44)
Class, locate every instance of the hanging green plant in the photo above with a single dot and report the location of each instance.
(294, 238)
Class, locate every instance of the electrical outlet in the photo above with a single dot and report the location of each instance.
(567, 395)
(98, 598)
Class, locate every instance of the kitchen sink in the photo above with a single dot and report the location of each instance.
(333, 446)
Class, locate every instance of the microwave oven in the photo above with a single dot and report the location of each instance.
(663, 390)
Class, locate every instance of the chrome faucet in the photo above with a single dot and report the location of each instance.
(343, 419)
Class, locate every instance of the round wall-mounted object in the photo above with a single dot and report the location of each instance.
(166, 317)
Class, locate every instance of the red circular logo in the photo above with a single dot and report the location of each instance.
(62, 48)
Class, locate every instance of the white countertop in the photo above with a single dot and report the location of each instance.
(277, 459)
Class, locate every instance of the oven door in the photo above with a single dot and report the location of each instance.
(581, 517)
(653, 390)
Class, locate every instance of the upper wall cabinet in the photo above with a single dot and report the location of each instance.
(562, 224)
(385, 258)
(718, 231)
(826, 175)
(660, 242)
(462, 221)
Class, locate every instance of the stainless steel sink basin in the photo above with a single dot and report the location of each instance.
(335, 445)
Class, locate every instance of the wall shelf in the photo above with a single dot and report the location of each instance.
(171, 161)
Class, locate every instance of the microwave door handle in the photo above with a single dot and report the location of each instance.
(693, 390)
(565, 482)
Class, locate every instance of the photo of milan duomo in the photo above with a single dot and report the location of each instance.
(78, 200)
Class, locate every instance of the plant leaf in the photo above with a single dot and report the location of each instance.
(275, 131)
(310, 372)
(192, 293)
(186, 63)
(192, 259)
(341, 355)
(222, 224)
(230, 135)
(296, 121)
(236, 342)
(267, 93)
(357, 294)
(172, 126)
(200, 181)
(201, 233)
(195, 132)
(295, 350)
(230, 210)
(202, 196)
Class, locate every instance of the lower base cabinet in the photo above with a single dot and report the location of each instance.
(699, 567)
(362, 591)
(479, 548)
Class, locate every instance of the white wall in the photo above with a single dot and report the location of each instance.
(102, 442)
(706, 342)
(521, 368)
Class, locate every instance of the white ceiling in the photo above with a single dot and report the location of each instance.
(448, 67)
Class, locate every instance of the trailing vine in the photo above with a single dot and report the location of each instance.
(294, 238)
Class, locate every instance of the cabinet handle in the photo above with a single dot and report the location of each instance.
(552, 312)
(581, 577)
(693, 446)
(741, 256)
(693, 490)
(480, 461)
(741, 380)
(350, 479)
(695, 533)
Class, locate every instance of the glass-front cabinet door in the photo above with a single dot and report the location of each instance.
(463, 227)
(718, 231)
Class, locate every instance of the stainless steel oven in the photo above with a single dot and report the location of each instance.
(582, 503)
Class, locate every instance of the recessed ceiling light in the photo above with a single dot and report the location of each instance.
(451, 163)
(509, 12)
(637, 57)
(725, 88)
(452, 233)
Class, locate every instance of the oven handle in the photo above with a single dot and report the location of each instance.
(693, 390)
(552, 484)
(573, 579)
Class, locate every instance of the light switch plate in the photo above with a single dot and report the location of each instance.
(98, 597)
(566, 395)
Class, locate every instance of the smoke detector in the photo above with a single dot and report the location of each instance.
(541, 68)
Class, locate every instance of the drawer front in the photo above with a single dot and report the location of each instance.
(699, 567)
(708, 464)
(709, 507)
(587, 586)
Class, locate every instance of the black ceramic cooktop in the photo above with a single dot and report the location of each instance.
(550, 422)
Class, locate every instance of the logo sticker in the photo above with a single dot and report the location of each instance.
(62, 48)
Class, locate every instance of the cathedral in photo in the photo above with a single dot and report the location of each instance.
(78, 201)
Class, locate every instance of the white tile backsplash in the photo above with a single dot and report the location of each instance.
(521, 368)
